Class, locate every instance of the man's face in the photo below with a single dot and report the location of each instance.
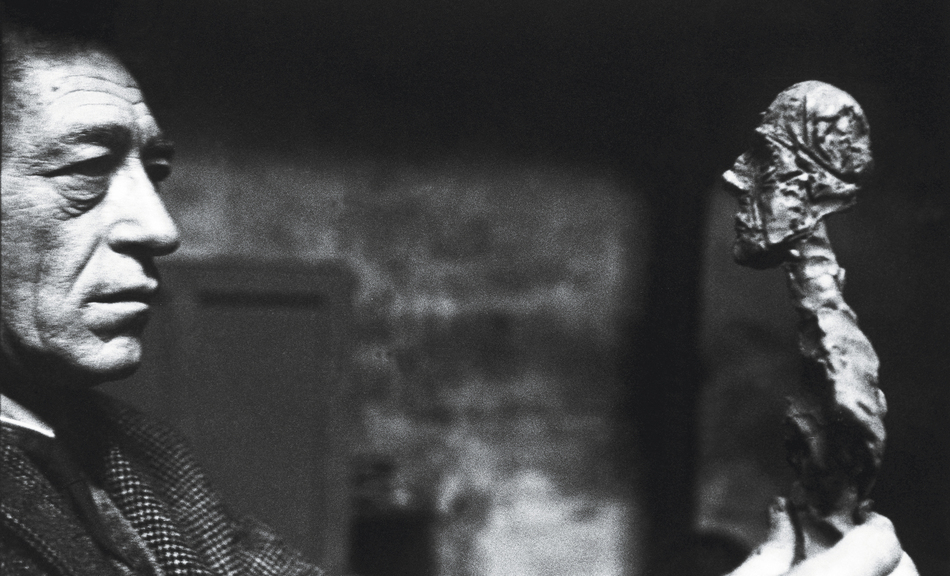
(81, 218)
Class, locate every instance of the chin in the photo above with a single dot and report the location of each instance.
(114, 360)
(756, 256)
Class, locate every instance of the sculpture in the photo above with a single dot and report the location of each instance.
(810, 156)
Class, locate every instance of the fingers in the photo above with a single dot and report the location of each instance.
(774, 557)
(871, 549)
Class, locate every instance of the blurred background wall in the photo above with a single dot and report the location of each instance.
(557, 369)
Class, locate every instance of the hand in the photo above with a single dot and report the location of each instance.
(871, 549)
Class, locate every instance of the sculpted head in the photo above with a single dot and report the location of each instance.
(82, 219)
(809, 157)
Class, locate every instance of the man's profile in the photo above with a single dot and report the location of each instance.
(90, 486)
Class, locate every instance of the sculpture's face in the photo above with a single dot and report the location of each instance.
(809, 153)
(81, 218)
(772, 209)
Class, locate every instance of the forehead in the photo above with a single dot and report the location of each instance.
(85, 88)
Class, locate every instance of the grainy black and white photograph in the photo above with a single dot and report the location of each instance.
(475, 288)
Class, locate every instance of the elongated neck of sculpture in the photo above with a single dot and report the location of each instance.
(815, 280)
(843, 364)
(836, 426)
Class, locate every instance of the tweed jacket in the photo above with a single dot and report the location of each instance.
(154, 481)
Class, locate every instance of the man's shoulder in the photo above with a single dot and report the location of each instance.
(164, 456)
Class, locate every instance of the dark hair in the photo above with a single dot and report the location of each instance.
(77, 19)
(51, 29)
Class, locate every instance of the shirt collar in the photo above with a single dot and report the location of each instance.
(15, 415)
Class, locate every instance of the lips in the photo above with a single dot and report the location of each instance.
(143, 294)
(120, 308)
(740, 225)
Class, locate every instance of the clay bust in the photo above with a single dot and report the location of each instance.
(810, 155)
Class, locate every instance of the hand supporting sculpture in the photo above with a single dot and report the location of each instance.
(810, 156)
(870, 549)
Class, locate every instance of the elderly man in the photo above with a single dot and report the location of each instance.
(90, 486)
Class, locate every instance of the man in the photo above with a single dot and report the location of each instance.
(90, 486)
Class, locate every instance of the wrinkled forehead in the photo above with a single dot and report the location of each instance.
(84, 87)
(90, 73)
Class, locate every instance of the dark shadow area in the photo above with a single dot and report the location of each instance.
(705, 554)
(386, 538)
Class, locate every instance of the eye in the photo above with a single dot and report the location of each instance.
(158, 170)
(96, 167)
(760, 148)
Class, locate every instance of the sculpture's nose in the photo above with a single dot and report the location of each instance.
(740, 179)
(731, 183)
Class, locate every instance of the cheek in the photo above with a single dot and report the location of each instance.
(66, 253)
(747, 211)
(766, 191)
(43, 258)
(21, 266)
(783, 207)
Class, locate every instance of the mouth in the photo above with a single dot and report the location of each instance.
(144, 295)
(121, 308)
(740, 225)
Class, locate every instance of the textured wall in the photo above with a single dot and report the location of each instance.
(488, 302)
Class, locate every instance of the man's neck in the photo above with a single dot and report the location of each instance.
(48, 401)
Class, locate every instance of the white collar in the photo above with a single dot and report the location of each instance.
(15, 415)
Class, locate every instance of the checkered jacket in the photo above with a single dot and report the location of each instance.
(154, 481)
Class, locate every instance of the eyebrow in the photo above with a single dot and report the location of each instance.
(109, 136)
(159, 147)
(118, 136)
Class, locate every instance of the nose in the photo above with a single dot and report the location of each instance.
(739, 179)
(732, 183)
(140, 223)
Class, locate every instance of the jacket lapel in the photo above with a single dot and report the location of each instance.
(149, 516)
(139, 491)
(33, 510)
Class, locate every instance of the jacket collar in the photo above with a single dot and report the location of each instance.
(13, 414)
(36, 512)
